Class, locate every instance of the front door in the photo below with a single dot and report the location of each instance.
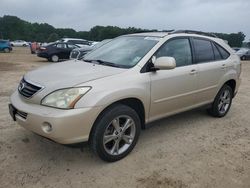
(173, 90)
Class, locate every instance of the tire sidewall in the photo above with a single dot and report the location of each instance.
(6, 50)
(104, 121)
(217, 99)
(53, 60)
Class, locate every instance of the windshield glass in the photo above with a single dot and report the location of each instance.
(124, 51)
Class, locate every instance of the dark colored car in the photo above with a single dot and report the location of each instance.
(5, 46)
(56, 51)
(78, 53)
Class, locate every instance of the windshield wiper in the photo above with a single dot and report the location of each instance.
(101, 62)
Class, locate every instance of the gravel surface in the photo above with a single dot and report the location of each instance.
(190, 149)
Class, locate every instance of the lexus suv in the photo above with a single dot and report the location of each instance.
(115, 90)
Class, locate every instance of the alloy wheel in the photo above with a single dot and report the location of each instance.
(119, 135)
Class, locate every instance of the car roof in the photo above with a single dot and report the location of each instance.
(150, 34)
(72, 39)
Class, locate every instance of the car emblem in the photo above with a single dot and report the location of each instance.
(21, 86)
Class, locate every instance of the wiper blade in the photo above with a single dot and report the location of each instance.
(106, 63)
(101, 62)
(87, 60)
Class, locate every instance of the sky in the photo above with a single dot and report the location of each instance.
(205, 15)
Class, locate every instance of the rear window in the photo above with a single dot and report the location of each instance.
(203, 50)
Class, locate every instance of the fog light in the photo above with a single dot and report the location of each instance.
(46, 127)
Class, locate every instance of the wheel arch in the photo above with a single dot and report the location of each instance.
(132, 102)
(232, 84)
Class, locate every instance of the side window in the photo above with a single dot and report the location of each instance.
(217, 55)
(61, 45)
(72, 46)
(203, 51)
(223, 52)
(179, 49)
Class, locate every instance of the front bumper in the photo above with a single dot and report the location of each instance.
(68, 126)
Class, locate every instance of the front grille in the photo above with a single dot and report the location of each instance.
(21, 114)
(74, 54)
(28, 89)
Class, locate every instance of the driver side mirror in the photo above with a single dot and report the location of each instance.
(164, 63)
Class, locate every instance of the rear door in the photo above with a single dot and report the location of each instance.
(62, 50)
(211, 68)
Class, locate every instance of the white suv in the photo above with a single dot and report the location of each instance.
(109, 96)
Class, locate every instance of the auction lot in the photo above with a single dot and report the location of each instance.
(191, 149)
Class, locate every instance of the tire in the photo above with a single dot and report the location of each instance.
(222, 102)
(243, 58)
(54, 58)
(24, 45)
(6, 50)
(106, 127)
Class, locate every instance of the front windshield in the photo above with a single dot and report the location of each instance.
(124, 51)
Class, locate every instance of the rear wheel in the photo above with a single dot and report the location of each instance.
(115, 133)
(6, 50)
(54, 58)
(222, 102)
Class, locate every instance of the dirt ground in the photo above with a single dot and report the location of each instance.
(191, 149)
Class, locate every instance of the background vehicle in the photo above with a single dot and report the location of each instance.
(56, 51)
(78, 42)
(78, 53)
(244, 53)
(236, 49)
(19, 43)
(119, 87)
(5, 46)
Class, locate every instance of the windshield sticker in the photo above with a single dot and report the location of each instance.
(152, 38)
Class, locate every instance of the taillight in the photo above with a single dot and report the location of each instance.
(42, 48)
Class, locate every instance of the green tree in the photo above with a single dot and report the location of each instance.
(53, 37)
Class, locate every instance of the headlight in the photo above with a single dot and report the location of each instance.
(64, 98)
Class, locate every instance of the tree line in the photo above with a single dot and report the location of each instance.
(13, 28)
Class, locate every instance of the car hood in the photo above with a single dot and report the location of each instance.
(69, 74)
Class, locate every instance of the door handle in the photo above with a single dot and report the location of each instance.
(192, 72)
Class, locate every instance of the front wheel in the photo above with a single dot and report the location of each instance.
(6, 50)
(222, 102)
(243, 58)
(115, 133)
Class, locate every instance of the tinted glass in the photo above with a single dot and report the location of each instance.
(203, 51)
(125, 51)
(223, 52)
(217, 55)
(179, 49)
(60, 45)
(71, 46)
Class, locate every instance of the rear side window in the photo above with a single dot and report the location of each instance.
(61, 45)
(179, 49)
(203, 50)
(223, 52)
(217, 55)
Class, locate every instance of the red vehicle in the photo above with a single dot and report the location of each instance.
(34, 47)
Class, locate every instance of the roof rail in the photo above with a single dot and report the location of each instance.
(195, 32)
